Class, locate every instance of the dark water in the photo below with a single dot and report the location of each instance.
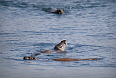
(26, 27)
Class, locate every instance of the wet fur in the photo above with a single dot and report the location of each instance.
(71, 59)
(57, 11)
(30, 58)
(58, 48)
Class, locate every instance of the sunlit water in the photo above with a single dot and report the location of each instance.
(26, 27)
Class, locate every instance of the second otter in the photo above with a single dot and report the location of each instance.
(57, 11)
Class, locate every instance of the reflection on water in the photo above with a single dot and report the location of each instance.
(27, 27)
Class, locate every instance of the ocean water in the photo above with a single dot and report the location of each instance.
(26, 27)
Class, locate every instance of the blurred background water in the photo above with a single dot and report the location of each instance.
(26, 27)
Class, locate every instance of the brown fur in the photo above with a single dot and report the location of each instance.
(59, 47)
(61, 59)
(59, 11)
(30, 58)
(71, 59)
(47, 51)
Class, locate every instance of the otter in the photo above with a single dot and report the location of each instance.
(30, 58)
(71, 59)
(58, 48)
(57, 11)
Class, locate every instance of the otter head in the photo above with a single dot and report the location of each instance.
(61, 46)
(59, 11)
(30, 58)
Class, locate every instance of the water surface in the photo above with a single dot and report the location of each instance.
(26, 27)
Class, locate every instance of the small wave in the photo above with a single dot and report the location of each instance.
(6, 33)
(43, 44)
(81, 45)
(14, 4)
